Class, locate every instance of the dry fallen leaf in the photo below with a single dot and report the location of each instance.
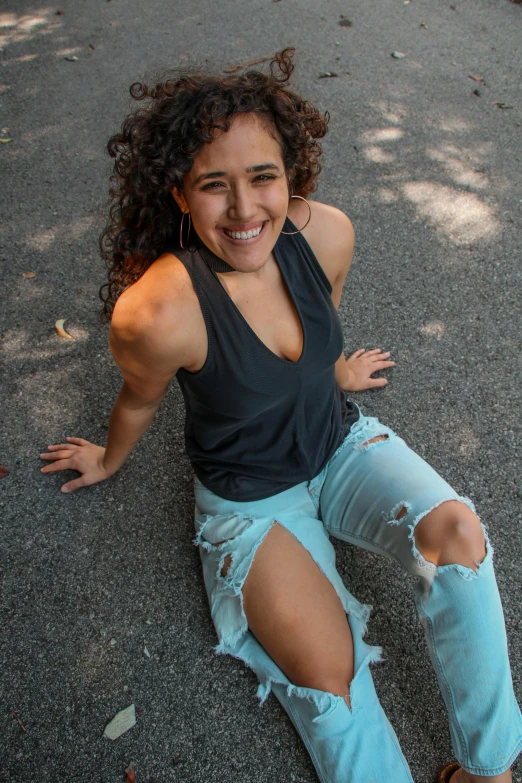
(28, 274)
(122, 722)
(475, 77)
(398, 55)
(327, 75)
(60, 13)
(502, 105)
(131, 775)
(3, 472)
(91, 47)
(60, 331)
(344, 22)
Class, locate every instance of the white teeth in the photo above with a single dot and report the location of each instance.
(244, 234)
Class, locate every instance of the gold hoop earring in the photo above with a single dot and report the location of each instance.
(181, 229)
(289, 233)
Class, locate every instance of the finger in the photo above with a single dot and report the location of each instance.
(60, 446)
(380, 365)
(79, 441)
(72, 485)
(373, 351)
(56, 455)
(377, 356)
(376, 382)
(63, 464)
(357, 353)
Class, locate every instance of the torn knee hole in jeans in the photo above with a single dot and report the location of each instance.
(467, 571)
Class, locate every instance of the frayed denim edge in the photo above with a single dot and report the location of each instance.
(464, 571)
(358, 615)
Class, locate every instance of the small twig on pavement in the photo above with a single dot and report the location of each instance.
(19, 721)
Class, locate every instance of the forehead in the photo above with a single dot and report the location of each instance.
(249, 141)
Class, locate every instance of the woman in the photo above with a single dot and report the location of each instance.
(236, 278)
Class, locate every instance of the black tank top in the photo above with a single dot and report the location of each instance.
(257, 424)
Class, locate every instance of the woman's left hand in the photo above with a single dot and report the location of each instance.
(356, 372)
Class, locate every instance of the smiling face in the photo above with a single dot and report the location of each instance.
(237, 193)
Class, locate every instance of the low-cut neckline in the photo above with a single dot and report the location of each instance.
(217, 264)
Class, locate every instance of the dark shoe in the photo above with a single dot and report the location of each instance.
(446, 774)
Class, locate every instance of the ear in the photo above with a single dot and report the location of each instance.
(180, 200)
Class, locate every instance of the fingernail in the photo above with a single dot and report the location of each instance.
(64, 489)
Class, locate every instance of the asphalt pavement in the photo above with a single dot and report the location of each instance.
(102, 603)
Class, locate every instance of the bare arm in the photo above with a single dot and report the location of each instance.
(147, 363)
(148, 348)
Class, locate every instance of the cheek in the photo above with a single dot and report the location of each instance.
(205, 212)
(275, 200)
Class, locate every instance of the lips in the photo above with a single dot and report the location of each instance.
(245, 233)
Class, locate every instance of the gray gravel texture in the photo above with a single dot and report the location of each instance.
(430, 174)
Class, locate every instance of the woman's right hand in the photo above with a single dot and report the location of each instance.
(78, 454)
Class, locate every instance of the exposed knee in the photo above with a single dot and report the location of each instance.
(451, 534)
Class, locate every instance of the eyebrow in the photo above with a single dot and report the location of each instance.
(259, 167)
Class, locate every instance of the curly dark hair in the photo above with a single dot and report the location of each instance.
(157, 145)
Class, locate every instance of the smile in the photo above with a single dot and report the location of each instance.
(243, 235)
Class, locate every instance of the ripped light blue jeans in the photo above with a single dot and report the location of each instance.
(358, 498)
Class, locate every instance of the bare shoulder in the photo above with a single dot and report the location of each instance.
(329, 233)
(157, 321)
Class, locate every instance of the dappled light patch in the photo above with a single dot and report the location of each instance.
(453, 211)
(16, 28)
(394, 113)
(42, 240)
(387, 196)
(454, 125)
(382, 135)
(68, 51)
(378, 155)
(462, 217)
(24, 58)
(458, 165)
(436, 329)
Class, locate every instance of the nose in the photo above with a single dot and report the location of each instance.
(241, 206)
